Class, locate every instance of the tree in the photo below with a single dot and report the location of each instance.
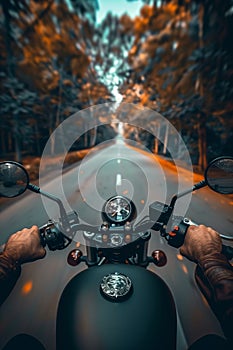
(111, 41)
(8, 66)
(48, 61)
(17, 103)
(182, 56)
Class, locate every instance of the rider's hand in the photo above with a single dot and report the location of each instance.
(24, 246)
(200, 242)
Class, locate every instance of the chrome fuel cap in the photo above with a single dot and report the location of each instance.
(116, 286)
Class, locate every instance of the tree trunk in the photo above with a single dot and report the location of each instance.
(93, 133)
(51, 135)
(11, 68)
(199, 87)
(93, 136)
(156, 140)
(3, 142)
(62, 147)
(37, 133)
(86, 136)
(17, 141)
(165, 139)
(202, 147)
(18, 154)
(7, 37)
(156, 145)
(9, 142)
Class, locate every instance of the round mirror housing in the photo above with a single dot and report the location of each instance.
(219, 175)
(14, 179)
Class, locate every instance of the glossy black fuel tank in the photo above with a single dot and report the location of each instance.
(88, 321)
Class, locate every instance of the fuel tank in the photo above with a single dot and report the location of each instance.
(116, 307)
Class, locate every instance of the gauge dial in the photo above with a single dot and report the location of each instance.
(118, 209)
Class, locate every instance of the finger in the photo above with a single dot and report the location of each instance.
(35, 228)
(210, 229)
(182, 251)
(191, 229)
(41, 253)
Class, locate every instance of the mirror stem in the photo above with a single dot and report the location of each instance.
(37, 189)
(199, 185)
(194, 188)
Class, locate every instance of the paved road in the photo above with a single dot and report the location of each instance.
(31, 307)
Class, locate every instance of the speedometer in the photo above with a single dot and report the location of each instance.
(118, 210)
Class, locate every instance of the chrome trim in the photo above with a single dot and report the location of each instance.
(116, 286)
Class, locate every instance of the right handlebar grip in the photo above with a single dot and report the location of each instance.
(177, 235)
(227, 251)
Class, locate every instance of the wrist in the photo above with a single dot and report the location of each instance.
(212, 258)
(216, 267)
(11, 260)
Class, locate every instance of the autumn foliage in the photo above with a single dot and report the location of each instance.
(176, 58)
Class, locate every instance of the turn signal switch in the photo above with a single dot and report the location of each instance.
(177, 235)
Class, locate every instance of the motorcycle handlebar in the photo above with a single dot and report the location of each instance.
(56, 240)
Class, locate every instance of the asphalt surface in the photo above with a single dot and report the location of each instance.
(116, 169)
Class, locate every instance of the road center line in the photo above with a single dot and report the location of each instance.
(118, 180)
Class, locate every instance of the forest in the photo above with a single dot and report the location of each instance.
(176, 58)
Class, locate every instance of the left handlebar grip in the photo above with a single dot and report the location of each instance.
(42, 233)
(42, 239)
(51, 236)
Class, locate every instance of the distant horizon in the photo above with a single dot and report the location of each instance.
(118, 8)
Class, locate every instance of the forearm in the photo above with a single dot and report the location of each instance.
(214, 276)
(9, 274)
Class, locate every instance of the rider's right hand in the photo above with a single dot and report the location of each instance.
(24, 246)
(200, 242)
